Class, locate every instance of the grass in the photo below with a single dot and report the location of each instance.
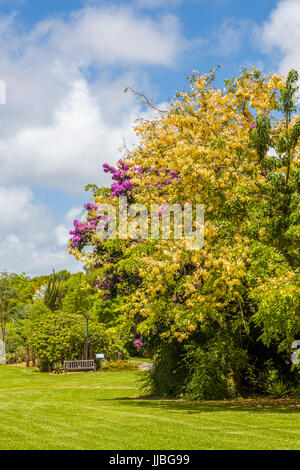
(98, 411)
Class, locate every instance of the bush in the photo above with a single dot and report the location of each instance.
(272, 380)
(118, 366)
(296, 391)
(19, 355)
(11, 358)
(207, 380)
(166, 378)
(59, 337)
(201, 369)
(216, 369)
(278, 389)
(58, 369)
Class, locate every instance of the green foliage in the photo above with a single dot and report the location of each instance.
(15, 294)
(77, 296)
(296, 391)
(16, 357)
(278, 389)
(51, 292)
(107, 312)
(31, 324)
(118, 366)
(96, 191)
(287, 98)
(58, 337)
(216, 369)
(166, 378)
(260, 136)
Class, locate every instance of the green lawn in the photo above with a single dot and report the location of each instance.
(42, 411)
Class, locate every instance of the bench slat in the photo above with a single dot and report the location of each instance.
(80, 365)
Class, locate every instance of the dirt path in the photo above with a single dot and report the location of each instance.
(142, 365)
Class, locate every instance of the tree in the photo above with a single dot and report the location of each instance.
(59, 336)
(230, 150)
(15, 293)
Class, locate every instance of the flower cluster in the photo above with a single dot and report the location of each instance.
(138, 341)
(81, 234)
(83, 230)
(108, 283)
(123, 185)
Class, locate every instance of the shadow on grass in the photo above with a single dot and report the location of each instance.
(258, 406)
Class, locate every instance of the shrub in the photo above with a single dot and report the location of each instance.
(166, 378)
(278, 389)
(296, 391)
(211, 366)
(60, 337)
(215, 369)
(207, 380)
(119, 366)
(19, 355)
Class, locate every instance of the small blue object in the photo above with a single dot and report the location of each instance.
(99, 356)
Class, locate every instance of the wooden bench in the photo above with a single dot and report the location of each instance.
(79, 365)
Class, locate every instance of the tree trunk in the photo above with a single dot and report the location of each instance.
(27, 355)
(2, 352)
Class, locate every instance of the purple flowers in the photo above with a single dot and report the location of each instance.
(122, 186)
(90, 207)
(109, 284)
(138, 343)
(83, 230)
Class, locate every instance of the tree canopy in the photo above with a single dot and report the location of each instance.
(236, 151)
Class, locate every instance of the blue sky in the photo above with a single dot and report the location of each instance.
(65, 65)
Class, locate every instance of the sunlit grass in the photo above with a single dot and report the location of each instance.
(42, 411)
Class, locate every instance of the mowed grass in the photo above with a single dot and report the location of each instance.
(99, 411)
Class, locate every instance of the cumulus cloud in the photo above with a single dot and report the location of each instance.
(105, 35)
(66, 114)
(281, 34)
(57, 125)
(67, 153)
(29, 239)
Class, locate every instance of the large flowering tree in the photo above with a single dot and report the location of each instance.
(235, 150)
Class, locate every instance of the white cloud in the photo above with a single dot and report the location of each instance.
(66, 114)
(281, 34)
(106, 36)
(66, 154)
(58, 127)
(29, 240)
(157, 3)
(116, 36)
(231, 36)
